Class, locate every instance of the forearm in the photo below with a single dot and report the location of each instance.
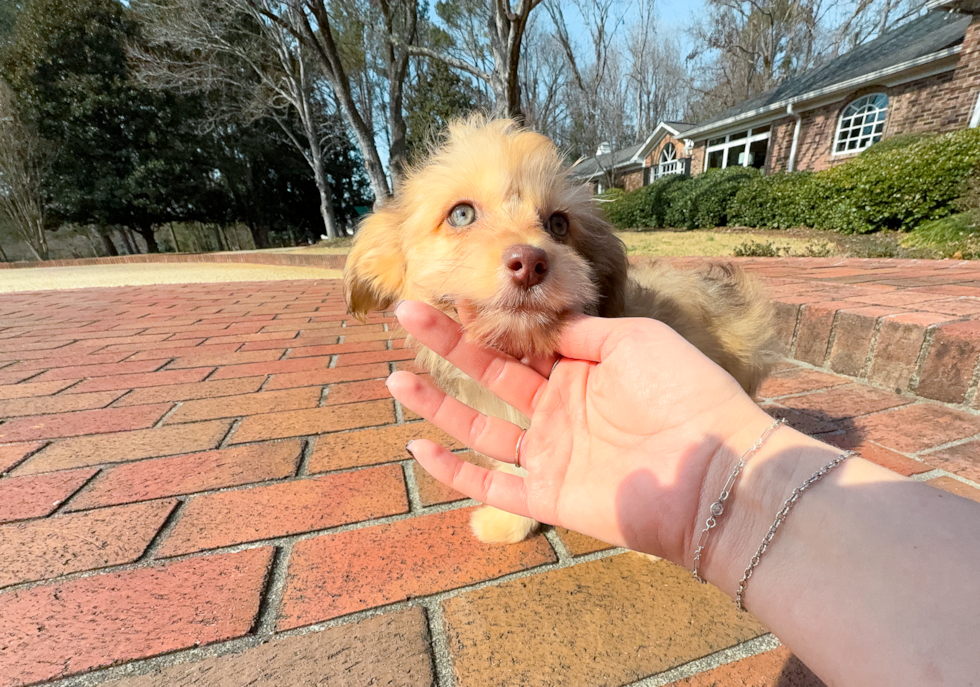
(872, 579)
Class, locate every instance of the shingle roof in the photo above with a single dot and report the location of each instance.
(923, 36)
(597, 165)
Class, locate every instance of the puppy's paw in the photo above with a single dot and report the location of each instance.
(494, 526)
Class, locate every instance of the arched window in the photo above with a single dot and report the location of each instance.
(861, 123)
(668, 154)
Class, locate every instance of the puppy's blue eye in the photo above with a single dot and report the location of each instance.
(462, 215)
(558, 225)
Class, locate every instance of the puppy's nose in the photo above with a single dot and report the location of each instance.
(528, 265)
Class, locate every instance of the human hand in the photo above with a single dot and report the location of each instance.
(623, 430)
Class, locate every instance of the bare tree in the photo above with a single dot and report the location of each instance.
(203, 47)
(21, 176)
(505, 27)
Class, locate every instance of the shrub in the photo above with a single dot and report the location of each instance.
(644, 207)
(757, 249)
(896, 142)
(779, 201)
(706, 203)
(897, 189)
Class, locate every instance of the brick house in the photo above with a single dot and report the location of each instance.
(662, 153)
(922, 76)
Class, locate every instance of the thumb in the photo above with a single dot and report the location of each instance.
(593, 338)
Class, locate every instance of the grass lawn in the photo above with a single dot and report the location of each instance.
(707, 243)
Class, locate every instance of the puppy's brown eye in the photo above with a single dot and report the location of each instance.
(558, 225)
(462, 215)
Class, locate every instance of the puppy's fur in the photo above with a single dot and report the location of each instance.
(515, 181)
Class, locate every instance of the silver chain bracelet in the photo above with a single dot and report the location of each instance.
(780, 516)
(718, 507)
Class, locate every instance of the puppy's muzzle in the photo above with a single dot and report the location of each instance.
(528, 265)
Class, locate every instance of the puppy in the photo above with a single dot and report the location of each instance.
(492, 225)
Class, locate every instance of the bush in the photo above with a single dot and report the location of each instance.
(644, 207)
(779, 201)
(896, 188)
(896, 142)
(709, 195)
(757, 249)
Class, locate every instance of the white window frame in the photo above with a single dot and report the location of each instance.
(744, 143)
(879, 116)
(669, 163)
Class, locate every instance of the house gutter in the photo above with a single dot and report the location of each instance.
(698, 133)
(791, 165)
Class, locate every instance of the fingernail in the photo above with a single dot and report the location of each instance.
(388, 379)
(397, 305)
(408, 448)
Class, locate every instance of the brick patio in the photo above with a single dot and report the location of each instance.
(207, 484)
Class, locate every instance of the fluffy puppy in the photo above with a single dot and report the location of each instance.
(492, 226)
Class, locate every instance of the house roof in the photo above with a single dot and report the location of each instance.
(627, 157)
(928, 38)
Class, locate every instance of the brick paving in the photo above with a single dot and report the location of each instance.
(207, 484)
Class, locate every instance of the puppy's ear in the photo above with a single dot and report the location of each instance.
(374, 274)
(607, 254)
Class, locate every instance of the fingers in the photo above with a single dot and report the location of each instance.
(496, 489)
(488, 435)
(505, 377)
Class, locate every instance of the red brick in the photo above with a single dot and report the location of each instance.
(206, 359)
(172, 351)
(184, 392)
(285, 343)
(389, 563)
(795, 381)
(33, 389)
(72, 627)
(372, 446)
(142, 380)
(899, 343)
(813, 333)
(47, 405)
(785, 320)
(331, 376)
(86, 371)
(353, 392)
(146, 351)
(356, 334)
(124, 446)
(884, 457)
(954, 486)
(83, 422)
(845, 401)
(41, 549)
(963, 460)
(776, 668)
(433, 492)
(375, 357)
(316, 328)
(22, 498)
(950, 362)
(306, 505)
(580, 544)
(67, 361)
(248, 404)
(296, 423)
(190, 473)
(336, 349)
(853, 332)
(15, 377)
(12, 454)
(801, 422)
(271, 367)
(958, 306)
(917, 428)
(245, 338)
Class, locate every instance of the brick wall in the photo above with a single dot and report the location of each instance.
(697, 158)
(631, 181)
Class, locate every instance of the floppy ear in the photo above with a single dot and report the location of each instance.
(374, 273)
(606, 252)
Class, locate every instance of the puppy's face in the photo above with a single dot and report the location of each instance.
(491, 229)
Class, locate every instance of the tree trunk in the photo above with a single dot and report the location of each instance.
(173, 237)
(107, 244)
(3, 256)
(146, 231)
(127, 240)
(260, 234)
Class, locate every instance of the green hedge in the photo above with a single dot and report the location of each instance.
(897, 188)
(906, 181)
(679, 201)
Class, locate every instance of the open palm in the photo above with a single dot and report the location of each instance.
(622, 429)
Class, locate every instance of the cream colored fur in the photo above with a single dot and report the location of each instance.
(515, 181)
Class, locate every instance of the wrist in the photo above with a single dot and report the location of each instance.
(769, 477)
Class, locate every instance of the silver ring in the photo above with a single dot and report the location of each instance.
(554, 366)
(517, 449)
